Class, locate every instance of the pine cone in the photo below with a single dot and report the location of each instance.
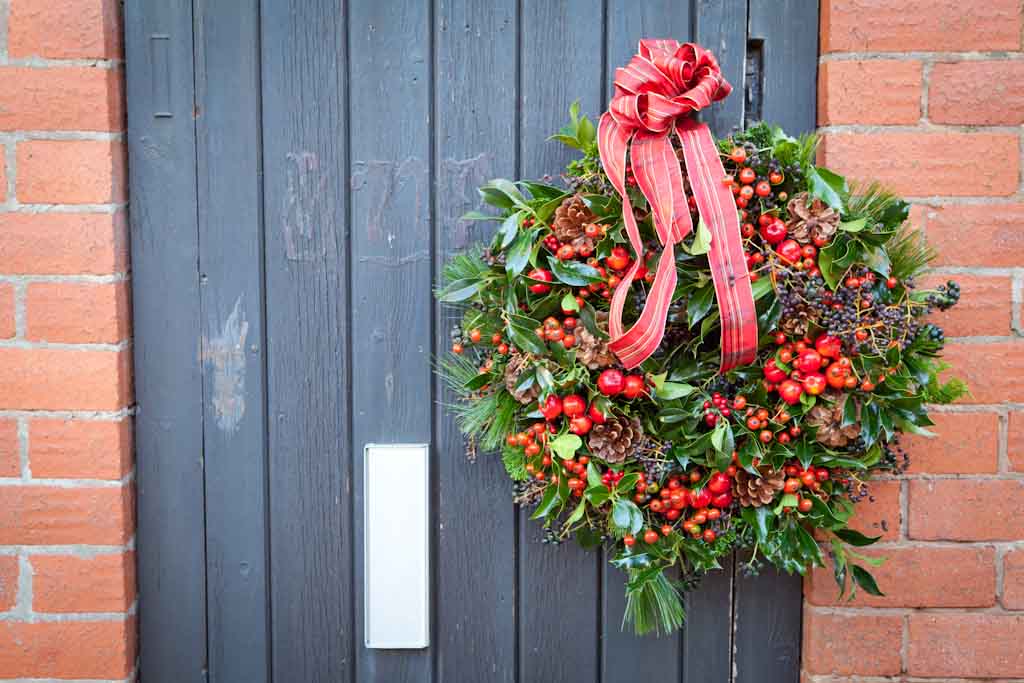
(571, 217)
(592, 351)
(617, 439)
(829, 422)
(796, 322)
(811, 219)
(754, 491)
(513, 372)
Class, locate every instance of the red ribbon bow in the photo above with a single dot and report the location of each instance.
(654, 95)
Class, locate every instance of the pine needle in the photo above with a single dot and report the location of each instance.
(653, 603)
(871, 201)
(909, 254)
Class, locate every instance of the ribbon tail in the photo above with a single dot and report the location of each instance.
(728, 265)
(659, 177)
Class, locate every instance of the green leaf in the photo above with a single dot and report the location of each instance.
(855, 538)
(586, 132)
(460, 290)
(700, 303)
(589, 319)
(479, 216)
(825, 265)
(722, 438)
(854, 226)
(509, 189)
(758, 519)
(515, 464)
(701, 240)
(863, 578)
(525, 339)
(574, 273)
(673, 390)
(547, 502)
(519, 253)
(545, 379)
(878, 261)
(827, 186)
(627, 483)
(593, 475)
(626, 516)
(761, 288)
(566, 445)
(577, 514)
(569, 303)
(509, 228)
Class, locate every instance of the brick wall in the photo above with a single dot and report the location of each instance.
(927, 96)
(67, 593)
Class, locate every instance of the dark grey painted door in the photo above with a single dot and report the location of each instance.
(298, 169)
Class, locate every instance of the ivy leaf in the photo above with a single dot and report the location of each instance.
(827, 186)
(593, 476)
(569, 303)
(701, 240)
(566, 445)
(863, 578)
(855, 538)
(573, 272)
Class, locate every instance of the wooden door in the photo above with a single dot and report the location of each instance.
(298, 170)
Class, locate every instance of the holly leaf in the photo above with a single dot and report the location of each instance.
(626, 516)
(566, 445)
(577, 514)
(460, 290)
(509, 228)
(673, 390)
(722, 438)
(827, 186)
(519, 253)
(700, 303)
(573, 272)
(593, 475)
(854, 226)
(589, 319)
(855, 538)
(547, 502)
(701, 240)
(757, 518)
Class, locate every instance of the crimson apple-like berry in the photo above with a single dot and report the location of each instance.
(633, 386)
(815, 383)
(573, 405)
(543, 276)
(551, 408)
(773, 232)
(595, 414)
(789, 251)
(808, 361)
(772, 372)
(719, 483)
(610, 382)
(580, 425)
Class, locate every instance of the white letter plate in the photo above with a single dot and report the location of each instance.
(396, 559)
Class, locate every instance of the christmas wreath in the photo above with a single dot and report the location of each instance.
(697, 429)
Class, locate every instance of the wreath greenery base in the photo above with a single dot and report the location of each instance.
(672, 465)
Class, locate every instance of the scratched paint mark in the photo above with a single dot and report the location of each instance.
(396, 199)
(306, 213)
(457, 194)
(224, 355)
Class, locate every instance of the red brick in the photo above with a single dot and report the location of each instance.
(63, 583)
(69, 29)
(64, 379)
(8, 327)
(63, 243)
(844, 645)
(10, 449)
(1015, 441)
(966, 510)
(8, 582)
(925, 25)
(965, 443)
(1013, 580)
(977, 92)
(3, 180)
(992, 371)
(70, 172)
(880, 514)
(978, 235)
(873, 91)
(69, 649)
(926, 164)
(918, 577)
(45, 515)
(965, 645)
(985, 307)
(69, 98)
(77, 312)
(80, 449)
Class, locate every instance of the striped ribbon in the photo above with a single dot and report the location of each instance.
(655, 94)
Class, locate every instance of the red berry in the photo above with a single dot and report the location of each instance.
(650, 537)
(700, 498)
(628, 540)
(773, 232)
(792, 485)
(891, 282)
(738, 155)
(747, 175)
(721, 501)
(633, 386)
(805, 505)
(596, 415)
(543, 276)
(551, 408)
(789, 251)
(790, 392)
(775, 177)
(573, 405)
(618, 259)
(815, 383)
(808, 361)
(610, 382)
(719, 483)
(580, 425)
(709, 536)
(772, 372)
(763, 189)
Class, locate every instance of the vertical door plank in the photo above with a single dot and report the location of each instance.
(789, 29)
(230, 263)
(707, 636)
(624, 655)
(768, 606)
(391, 278)
(562, 57)
(475, 140)
(310, 458)
(721, 26)
(166, 318)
